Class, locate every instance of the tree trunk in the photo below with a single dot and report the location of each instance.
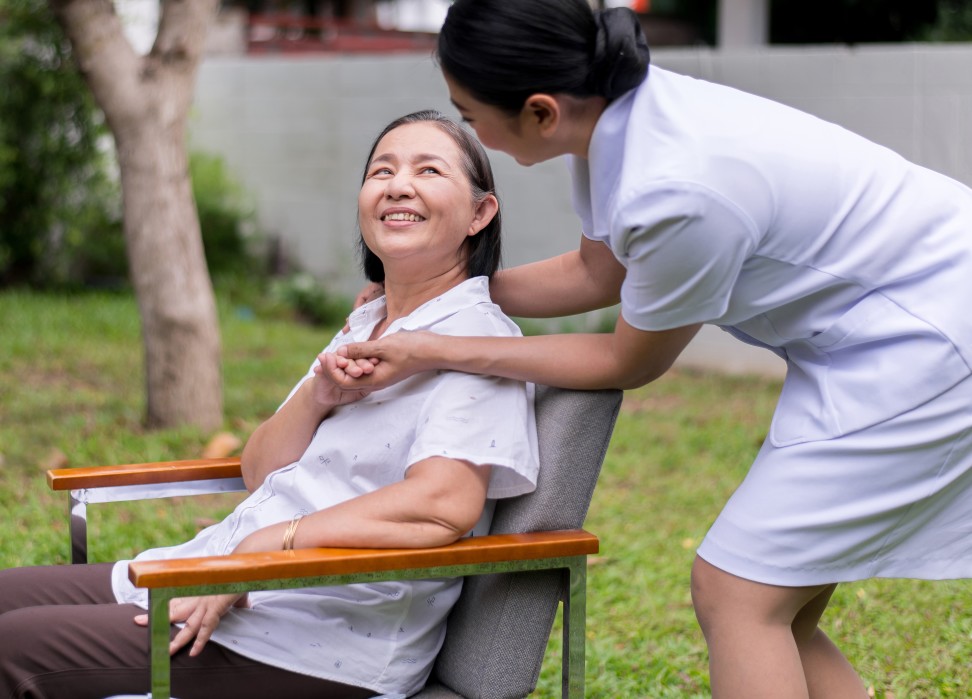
(146, 101)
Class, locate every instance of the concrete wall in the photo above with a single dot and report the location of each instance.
(295, 131)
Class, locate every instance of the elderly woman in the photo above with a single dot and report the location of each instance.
(417, 464)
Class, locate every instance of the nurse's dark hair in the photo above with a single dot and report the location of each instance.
(483, 250)
(503, 51)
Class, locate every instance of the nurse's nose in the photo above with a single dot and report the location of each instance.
(399, 186)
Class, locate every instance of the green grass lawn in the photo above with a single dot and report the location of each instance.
(71, 392)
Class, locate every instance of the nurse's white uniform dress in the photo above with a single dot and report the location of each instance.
(851, 263)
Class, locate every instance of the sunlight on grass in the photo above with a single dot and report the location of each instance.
(71, 393)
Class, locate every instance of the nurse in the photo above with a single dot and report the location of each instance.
(702, 204)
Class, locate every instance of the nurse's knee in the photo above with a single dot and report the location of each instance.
(721, 598)
(706, 593)
(724, 599)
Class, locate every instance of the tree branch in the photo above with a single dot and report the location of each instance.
(182, 31)
(103, 54)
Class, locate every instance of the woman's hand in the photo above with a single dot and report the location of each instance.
(368, 366)
(201, 616)
(327, 389)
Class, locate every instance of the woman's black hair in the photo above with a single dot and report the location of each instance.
(483, 250)
(503, 51)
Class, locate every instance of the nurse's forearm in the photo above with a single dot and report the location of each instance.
(578, 361)
(626, 358)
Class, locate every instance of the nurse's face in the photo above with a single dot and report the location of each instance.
(498, 130)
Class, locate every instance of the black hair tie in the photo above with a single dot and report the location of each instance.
(621, 53)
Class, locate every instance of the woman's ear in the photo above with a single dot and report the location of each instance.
(485, 211)
(542, 113)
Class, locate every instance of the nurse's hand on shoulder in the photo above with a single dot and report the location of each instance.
(370, 292)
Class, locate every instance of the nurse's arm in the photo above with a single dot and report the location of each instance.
(626, 358)
(578, 281)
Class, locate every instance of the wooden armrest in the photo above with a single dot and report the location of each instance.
(248, 567)
(143, 474)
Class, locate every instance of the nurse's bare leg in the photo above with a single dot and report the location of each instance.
(828, 672)
(752, 632)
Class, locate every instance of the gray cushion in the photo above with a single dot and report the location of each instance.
(498, 631)
(434, 690)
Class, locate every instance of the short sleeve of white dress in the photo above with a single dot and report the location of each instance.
(684, 247)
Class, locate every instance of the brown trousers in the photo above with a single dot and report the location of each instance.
(63, 636)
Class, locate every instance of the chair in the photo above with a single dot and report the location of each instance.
(534, 558)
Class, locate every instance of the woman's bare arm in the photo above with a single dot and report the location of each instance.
(439, 500)
(284, 437)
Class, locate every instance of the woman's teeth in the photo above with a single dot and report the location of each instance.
(402, 217)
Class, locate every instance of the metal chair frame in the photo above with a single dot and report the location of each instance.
(499, 553)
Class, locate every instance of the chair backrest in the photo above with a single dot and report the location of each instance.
(497, 633)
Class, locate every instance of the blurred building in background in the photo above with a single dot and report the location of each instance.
(293, 92)
(383, 26)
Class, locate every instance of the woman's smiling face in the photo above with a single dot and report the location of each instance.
(415, 207)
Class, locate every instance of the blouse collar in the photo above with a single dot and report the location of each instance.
(464, 295)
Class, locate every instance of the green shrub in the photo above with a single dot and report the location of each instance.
(310, 299)
(954, 22)
(60, 202)
(90, 249)
(55, 190)
(226, 217)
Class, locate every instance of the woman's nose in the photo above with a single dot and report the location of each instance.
(400, 186)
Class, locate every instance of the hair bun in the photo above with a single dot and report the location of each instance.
(621, 55)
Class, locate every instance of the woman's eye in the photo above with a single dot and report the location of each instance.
(429, 170)
(381, 171)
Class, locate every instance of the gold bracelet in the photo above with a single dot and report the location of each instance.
(288, 539)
